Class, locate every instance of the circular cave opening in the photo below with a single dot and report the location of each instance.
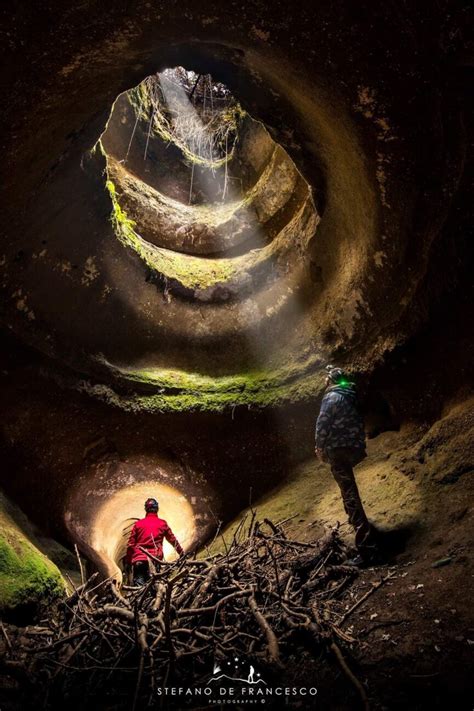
(194, 173)
(216, 215)
(101, 524)
(208, 235)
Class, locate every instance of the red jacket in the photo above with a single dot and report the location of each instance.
(149, 533)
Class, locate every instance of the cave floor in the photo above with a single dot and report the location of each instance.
(416, 632)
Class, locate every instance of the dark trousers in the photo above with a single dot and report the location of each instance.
(342, 460)
(141, 572)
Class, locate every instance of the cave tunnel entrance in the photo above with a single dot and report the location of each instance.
(115, 518)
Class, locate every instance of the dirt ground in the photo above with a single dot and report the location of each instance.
(416, 631)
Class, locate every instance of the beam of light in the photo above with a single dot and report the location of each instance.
(263, 352)
(179, 103)
(193, 131)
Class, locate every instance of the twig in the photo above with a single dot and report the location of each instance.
(7, 638)
(359, 602)
(211, 608)
(350, 675)
(273, 647)
(80, 563)
(142, 629)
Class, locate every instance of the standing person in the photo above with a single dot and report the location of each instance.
(148, 533)
(340, 441)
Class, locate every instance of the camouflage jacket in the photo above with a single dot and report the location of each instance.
(340, 423)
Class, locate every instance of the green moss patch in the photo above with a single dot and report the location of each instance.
(199, 272)
(191, 272)
(27, 577)
(173, 390)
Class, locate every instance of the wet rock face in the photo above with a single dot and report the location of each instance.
(147, 294)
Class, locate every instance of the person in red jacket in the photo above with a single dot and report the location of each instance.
(148, 533)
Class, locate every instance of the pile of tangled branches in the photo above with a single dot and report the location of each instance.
(263, 599)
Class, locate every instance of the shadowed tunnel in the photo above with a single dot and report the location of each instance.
(201, 208)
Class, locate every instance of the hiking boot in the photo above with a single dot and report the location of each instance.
(355, 562)
(366, 560)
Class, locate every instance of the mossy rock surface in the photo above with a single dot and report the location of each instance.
(28, 579)
(165, 390)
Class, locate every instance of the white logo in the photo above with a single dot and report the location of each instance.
(233, 670)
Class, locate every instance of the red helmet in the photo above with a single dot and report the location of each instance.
(151, 505)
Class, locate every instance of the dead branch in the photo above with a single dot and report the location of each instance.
(272, 641)
(359, 602)
(352, 678)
